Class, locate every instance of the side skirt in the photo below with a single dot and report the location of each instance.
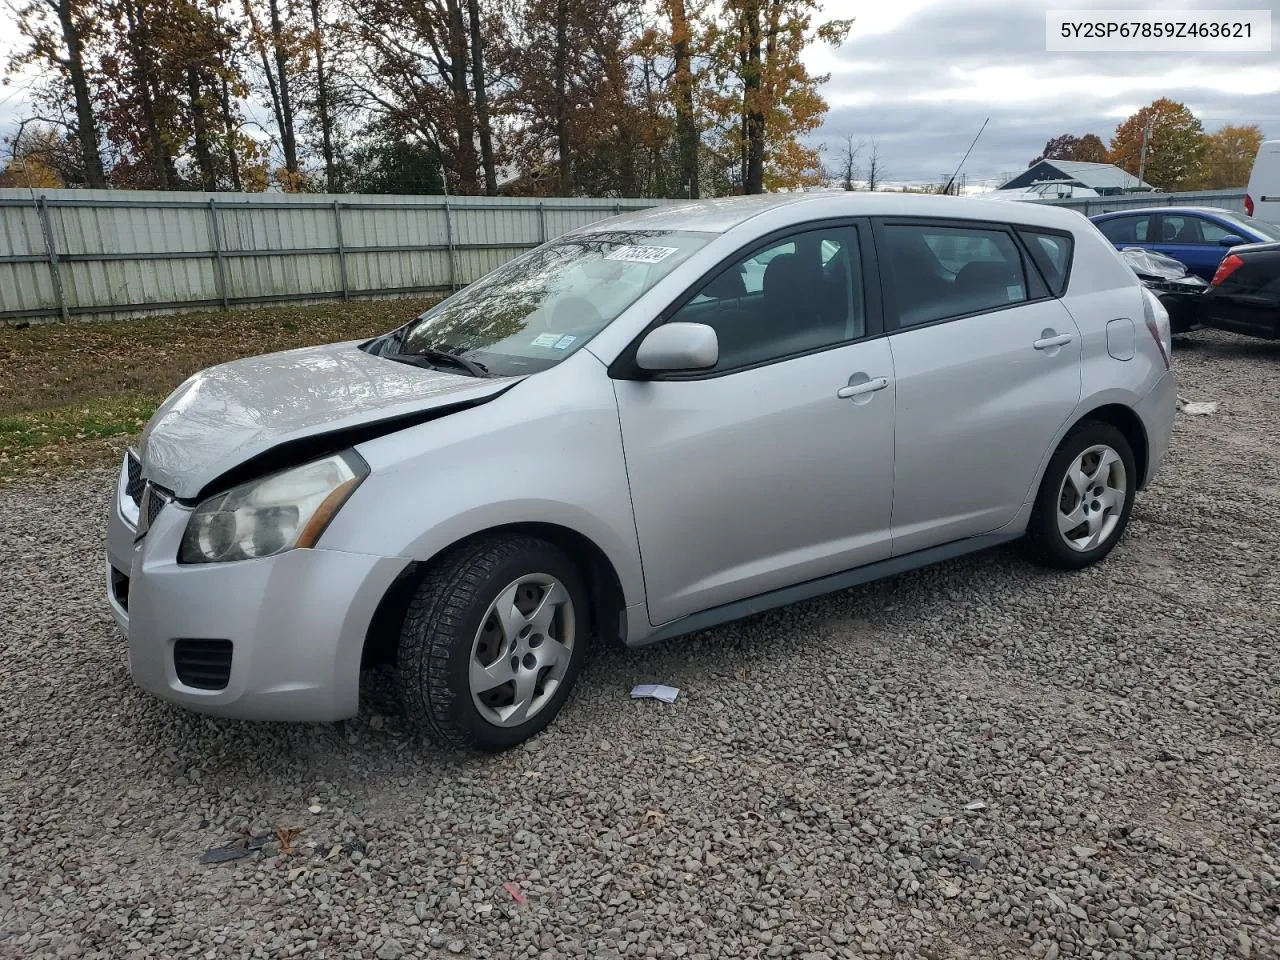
(728, 612)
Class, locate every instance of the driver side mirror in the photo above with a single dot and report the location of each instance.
(1231, 240)
(675, 347)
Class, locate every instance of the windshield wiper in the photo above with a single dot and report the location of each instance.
(434, 357)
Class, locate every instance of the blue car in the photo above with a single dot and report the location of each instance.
(1198, 236)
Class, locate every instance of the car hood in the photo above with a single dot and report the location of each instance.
(228, 415)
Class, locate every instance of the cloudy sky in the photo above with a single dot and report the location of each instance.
(920, 76)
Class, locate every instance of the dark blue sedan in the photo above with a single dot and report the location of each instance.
(1198, 236)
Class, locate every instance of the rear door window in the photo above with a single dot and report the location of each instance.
(1180, 229)
(1123, 230)
(938, 272)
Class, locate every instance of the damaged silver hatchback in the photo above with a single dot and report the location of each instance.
(653, 425)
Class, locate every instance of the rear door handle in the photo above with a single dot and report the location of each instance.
(866, 386)
(1046, 343)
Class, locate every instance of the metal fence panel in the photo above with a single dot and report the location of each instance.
(1232, 200)
(103, 253)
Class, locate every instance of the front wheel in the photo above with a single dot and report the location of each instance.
(492, 643)
(1085, 498)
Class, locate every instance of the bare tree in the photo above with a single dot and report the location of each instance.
(846, 170)
(331, 175)
(875, 167)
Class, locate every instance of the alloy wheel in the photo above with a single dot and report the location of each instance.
(1092, 498)
(522, 650)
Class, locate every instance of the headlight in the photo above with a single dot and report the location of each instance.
(277, 513)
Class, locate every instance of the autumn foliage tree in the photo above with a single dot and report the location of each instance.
(1067, 146)
(54, 36)
(1175, 149)
(589, 97)
(766, 99)
(1229, 156)
(1090, 149)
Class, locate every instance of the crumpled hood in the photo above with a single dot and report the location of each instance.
(226, 415)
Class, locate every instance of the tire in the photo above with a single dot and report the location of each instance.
(534, 652)
(1103, 512)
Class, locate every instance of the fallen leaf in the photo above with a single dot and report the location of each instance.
(286, 837)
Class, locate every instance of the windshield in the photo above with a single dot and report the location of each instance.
(534, 311)
(1262, 228)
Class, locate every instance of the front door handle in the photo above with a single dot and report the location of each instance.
(865, 387)
(1048, 343)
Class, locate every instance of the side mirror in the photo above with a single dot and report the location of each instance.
(1231, 240)
(678, 346)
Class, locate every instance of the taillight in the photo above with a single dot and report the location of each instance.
(1229, 265)
(1157, 321)
(1248, 205)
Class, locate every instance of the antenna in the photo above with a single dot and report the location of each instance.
(947, 189)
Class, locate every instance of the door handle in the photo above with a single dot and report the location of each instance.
(866, 386)
(1046, 343)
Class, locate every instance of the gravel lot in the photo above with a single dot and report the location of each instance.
(805, 796)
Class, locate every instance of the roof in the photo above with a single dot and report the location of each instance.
(1097, 175)
(1210, 211)
(720, 216)
(705, 216)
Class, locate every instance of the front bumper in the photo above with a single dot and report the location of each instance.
(296, 622)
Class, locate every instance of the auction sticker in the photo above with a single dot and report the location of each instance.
(635, 254)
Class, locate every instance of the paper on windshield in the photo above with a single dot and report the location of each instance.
(639, 254)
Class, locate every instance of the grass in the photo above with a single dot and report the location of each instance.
(74, 395)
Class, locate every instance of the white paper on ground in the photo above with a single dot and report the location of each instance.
(657, 691)
(1199, 408)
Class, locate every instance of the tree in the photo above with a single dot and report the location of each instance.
(331, 176)
(766, 98)
(682, 51)
(875, 167)
(1067, 146)
(412, 75)
(846, 170)
(1090, 149)
(389, 164)
(56, 32)
(1061, 147)
(276, 48)
(1229, 156)
(1175, 150)
(479, 80)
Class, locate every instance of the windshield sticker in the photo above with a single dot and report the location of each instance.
(546, 339)
(641, 254)
(563, 343)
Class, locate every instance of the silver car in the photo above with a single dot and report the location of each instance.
(653, 425)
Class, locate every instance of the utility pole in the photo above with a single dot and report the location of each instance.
(1142, 154)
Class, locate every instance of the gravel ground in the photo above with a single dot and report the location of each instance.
(809, 794)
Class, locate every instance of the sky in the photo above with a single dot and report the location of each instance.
(920, 76)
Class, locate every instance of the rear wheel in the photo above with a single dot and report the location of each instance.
(1085, 498)
(492, 642)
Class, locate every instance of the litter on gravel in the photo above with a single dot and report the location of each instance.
(655, 691)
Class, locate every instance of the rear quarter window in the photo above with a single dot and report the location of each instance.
(1051, 252)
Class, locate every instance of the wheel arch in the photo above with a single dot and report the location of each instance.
(1127, 421)
(608, 603)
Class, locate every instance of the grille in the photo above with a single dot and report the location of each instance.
(203, 664)
(155, 503)
(134, 484)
